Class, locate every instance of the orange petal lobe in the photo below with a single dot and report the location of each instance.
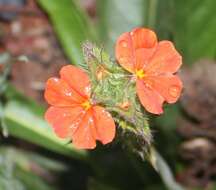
(149, 98)
(59, 93)
(85, 135)
(143, 38)
(128, 47)
(104, 124)
(142, 55)
(169, 87)
(125, 52)
(166, 59)
(64, 120)
(77, 79)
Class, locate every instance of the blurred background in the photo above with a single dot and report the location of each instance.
(38, 37)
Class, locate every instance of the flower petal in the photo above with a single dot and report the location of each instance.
(130, 42)
(168, 86)
(149, 98)
(64, 120)
(125, 52)
(104, 124)
(166, 59)
(142, 56)
(85, 135)
(143, 38)
(77, 79)
(59, 93)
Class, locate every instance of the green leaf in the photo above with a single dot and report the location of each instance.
(195, 29)
(71, 26)
(22, 122)
(118, 16)
(17, 173)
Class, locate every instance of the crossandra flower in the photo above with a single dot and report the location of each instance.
(73, 114)
(153, 65)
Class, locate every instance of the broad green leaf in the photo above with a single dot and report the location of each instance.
(23, 123)
(16, 171)
(118, 16)
(71, 26)
(195, 29)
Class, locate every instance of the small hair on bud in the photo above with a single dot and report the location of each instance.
(87, 48)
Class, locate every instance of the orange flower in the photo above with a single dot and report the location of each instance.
(72, 114)
(153, 64)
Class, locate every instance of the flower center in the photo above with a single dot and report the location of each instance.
(140, 73)
(86, 105)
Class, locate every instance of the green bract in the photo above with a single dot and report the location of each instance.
(114, 88)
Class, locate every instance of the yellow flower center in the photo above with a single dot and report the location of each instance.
(140, 73)
(86, 105)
